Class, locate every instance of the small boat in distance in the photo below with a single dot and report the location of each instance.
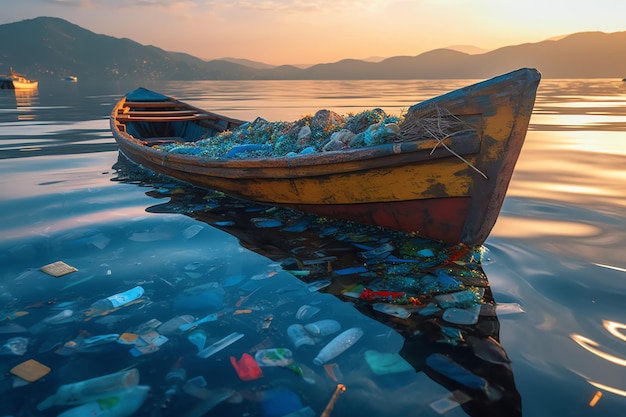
(441, 184)
(17, 81)
(71, 79)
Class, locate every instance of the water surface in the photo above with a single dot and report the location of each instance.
(556, 251)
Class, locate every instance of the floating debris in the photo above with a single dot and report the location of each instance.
(305, 312)
(15, 346)
(219, 345)
(58, 269)
(383, 363)
(246, 367)
(274, 357)
(338, 345)
(30, 370)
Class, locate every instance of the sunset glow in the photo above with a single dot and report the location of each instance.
(309, 32)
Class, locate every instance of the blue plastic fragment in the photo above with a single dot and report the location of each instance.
(447, 280)
(447, 367)
(351, 270)
(225, 223)
(301, 226)
(278, 402)
(249, 147)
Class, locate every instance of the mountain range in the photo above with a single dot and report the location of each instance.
(48, 47)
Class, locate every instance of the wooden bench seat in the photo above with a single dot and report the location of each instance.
(125, 118)
(159, 114)
(154, 104)
(162, 141)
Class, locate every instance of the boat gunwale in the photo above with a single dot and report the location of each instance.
(457, 142)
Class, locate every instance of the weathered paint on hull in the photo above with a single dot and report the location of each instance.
(441, 218)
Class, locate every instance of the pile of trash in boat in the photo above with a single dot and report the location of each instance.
(267, 343)
(323, 131)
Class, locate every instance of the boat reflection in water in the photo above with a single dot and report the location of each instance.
(25, 99)
(414, 287)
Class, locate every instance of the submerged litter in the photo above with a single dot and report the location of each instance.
(58, 269)
(196, 309)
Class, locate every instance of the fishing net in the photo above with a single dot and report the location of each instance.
(324, 131)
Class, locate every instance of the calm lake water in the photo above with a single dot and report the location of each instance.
(555, 259)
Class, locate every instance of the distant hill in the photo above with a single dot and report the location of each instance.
(55, 48)
(468, 49)
(248, 63)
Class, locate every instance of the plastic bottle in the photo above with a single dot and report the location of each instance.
(338, 345)
(322, 328)
(299, 336)
(175, 378)
(92, 389)
(105, 305)
(122, 404)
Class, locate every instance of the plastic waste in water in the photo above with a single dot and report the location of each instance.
(246, 367)
(171, 326)
(196, 387)
(383, 363)
(392, 310)
(99, 340)
(59, 318)
(457, 299)
(447, 367)
(219, 345)
(175, 378)
(277, 402)
(205, 319)
(508, 308)
(322, 328)
(148, 343)
(462, 315)
(105, 305)
(198, 338)
(306, 311)
(105, 386)
(15, 346)
(274, 357)
(122, 404)
(318, 285)
(299, 336)
(338, 345)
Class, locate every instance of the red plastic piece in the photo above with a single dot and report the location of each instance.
(246, 367)
(368, 294)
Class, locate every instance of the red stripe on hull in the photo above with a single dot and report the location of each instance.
(437, 219)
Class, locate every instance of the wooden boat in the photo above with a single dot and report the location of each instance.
(441, 185)
(17, 81)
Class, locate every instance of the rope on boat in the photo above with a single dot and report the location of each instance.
(465, 161)
(439, 132)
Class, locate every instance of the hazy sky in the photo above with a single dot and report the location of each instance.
(309, 32)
